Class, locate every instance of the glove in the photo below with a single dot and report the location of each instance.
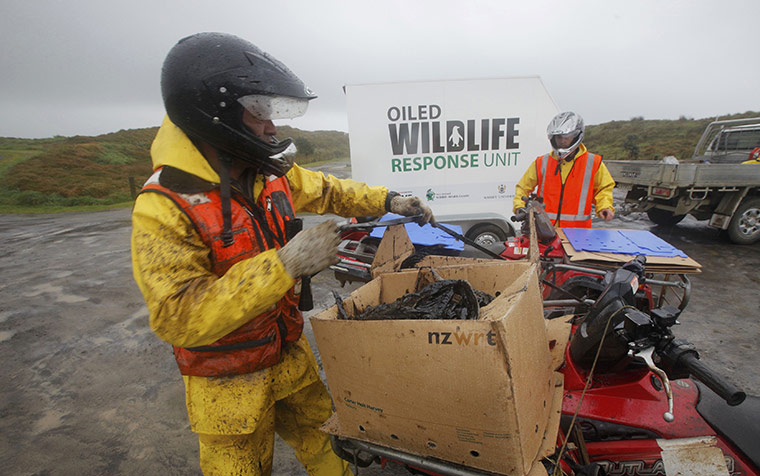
(410, 206)
(520, 215)
(607, 214)
(311, 250)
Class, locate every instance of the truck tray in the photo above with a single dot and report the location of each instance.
(655, 173)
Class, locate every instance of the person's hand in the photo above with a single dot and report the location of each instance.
(520, 215)
(311, 250)
(607, 214)
(410, 206)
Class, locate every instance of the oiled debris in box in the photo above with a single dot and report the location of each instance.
(446, 299)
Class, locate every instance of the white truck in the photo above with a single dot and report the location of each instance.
(713, 185)
(461, 145)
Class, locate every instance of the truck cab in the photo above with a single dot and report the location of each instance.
(726, 143)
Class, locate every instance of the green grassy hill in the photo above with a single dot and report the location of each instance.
(73, 171)
(649, 139)
(85, 173)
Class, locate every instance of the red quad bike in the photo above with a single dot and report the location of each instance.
(563, 282)
(632, 392)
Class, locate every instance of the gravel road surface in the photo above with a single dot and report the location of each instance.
(87, 389)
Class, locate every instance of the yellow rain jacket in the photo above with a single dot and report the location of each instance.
(603, 183)
(190, 306)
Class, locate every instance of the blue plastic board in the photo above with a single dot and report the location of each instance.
(629, 242)
(424, 235)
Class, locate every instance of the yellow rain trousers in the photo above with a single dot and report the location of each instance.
(190, 306)
(603, 183)
(291, 400)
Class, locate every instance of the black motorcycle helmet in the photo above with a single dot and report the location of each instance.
(208, 79)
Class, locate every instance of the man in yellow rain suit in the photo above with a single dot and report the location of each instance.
(216, 256)
(569, 178)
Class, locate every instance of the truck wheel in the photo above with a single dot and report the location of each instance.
(486, 234)
(744, 228)
(663, 217)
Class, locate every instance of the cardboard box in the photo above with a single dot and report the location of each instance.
(477, 393)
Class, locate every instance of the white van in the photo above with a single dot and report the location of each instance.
(461, 145)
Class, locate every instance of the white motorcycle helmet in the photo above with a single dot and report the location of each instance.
(566, 125)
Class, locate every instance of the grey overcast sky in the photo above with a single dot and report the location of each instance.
(91, 66)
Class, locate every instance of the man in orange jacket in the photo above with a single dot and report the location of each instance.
(570, 179)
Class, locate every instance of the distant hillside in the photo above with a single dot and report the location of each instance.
(74, 171)
(649, 139)
(80, 171)
(317, 146)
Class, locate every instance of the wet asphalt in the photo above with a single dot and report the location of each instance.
(87, 389)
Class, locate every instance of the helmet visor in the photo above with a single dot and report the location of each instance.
(267, 108)
(569, 136)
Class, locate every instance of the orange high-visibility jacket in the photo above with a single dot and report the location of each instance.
(258, 343)
(568, 203)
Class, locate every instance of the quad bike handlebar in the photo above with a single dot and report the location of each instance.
(623, 331)
(544, 229)
(680, 354)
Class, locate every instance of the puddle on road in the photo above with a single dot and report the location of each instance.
(57, 291)
(50, 420)
(6, 335)
(70, 299)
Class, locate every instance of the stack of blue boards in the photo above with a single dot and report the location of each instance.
(629, 242)
(424, 235)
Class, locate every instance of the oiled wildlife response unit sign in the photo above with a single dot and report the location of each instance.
(459, 144)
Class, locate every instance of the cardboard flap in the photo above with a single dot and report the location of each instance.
(516, 287)
(549, 441)
(533, 253)
(394, 248)
(332, 426)
(439, 261)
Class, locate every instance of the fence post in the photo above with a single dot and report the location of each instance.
(132, 189)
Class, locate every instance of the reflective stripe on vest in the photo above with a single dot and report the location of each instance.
(257, 344)
(578, 200)
(541, 178)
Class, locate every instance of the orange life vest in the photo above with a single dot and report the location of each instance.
(568, 203)
(257, 344)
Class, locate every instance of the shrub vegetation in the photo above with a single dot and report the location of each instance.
(646, 139)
